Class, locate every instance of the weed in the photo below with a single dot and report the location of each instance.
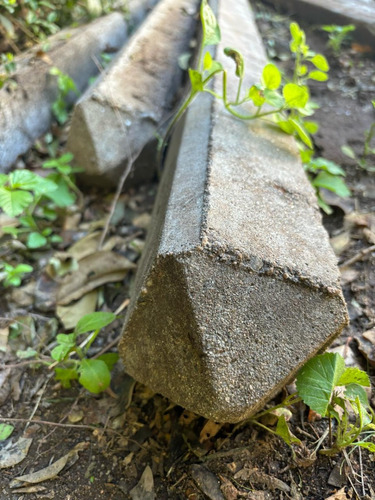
(334, 392)
(12, 276)
(338, 35)
(65, 84)
(287, 100)
(368, 149)
(34, 199)
(7, 62)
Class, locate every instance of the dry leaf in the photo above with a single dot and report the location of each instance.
(340, 242)
(229, 490)
(348, 275)
(94, 270)
(209, 430)
(339, 495)
(52, 470)
(144, 490)
(260, 478)
(70, 315)
(13, 453)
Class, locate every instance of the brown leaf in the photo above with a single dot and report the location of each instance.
(230, 492)
(258, 477)
(94, 270)
(13, 454)
(144, 490)
(209, 430)
(339, 495)
(71, 314)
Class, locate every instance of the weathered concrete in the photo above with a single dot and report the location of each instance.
(238, 285)
(25, 111)
(341, 12)
(117, 117)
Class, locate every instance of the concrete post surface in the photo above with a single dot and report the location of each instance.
(120, 115)
(238, 285)
(25, 111)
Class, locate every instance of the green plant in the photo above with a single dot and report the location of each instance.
(12, 276)
(33, 199)
(334, 392)
(65, 84)
(71, 362)
(287, 100)
(7, 62)
(338, 35)
(368, 149)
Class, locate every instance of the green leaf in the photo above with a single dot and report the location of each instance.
(211, 30)
(94, 375)
(237, 58)
(333, 183)
(207, 61)
(302, 133)
(282, 430)
(13, 203)
(65, 376)
(296, 96)
(110, 359)
(365, 444)
(317, 379)
(3, 179)
(311, 127)
(256, 96)
(298, 35)
(196, 80)
(44, 186)
(326, 165)
(23, 268)
(23, 179)
(354, 376)
(320, 62)
(94, 321)
(36, 240)
(348, 151)
(319, 76)
(271, 77)
(62, 196)
(66, 342)
(273, 98)
(5, 431)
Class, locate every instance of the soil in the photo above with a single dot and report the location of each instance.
(129, 432)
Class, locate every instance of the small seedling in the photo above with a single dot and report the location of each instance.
(334, 392)
(9, 65)
(287, 101)
(338, 35)
(12, 276)
(93, 374)
(65, 84)
(368, 149)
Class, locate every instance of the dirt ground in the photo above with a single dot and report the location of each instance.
(130, 443)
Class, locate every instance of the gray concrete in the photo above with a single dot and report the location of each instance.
(341, 12)
(25, 111)
(116, 118)
(238, 285)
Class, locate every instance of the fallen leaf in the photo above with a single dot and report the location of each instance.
(52, 470)
(70, 315)
(348, 275)
(206, 481)
(144, 490)
(339, 495)
(229, 490)
(94, 270)
(209, 430)
(340, 242)
(260, 478)
(13, 453)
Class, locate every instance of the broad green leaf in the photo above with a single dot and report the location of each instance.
(365, 444)
(211, 30)
(333, 183)
(317, 379)
(320, 62)
(66, 342)
(94, 321)
(319, 76)
(65, 376)
(302, 133)
(5, 431)
(354, 391)
(23, 268)
(215, 68)
(348, 151)
(274, 98)
(44, 186)
(311, 127)
(286, 126)
(237, 58)
(110, 359)
(207, 61)
(326, 165)
(196, 80)
(271, 77)
(94, 375)
(3, 179)
(302, 70)
(354, 376)
(36, 240)
(296, 96)
(285, 433)
(256, 95)
(62, 196)
(13, 203)
(28, 353)
(23, 179)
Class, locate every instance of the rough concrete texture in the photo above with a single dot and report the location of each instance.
(238, 285)
(117, 118)
(25, 111)
(341, 12)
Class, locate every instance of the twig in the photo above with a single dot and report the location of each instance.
(361, 469)
(55, 424)
(26, 363)
(38, 401)
(358, 256)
